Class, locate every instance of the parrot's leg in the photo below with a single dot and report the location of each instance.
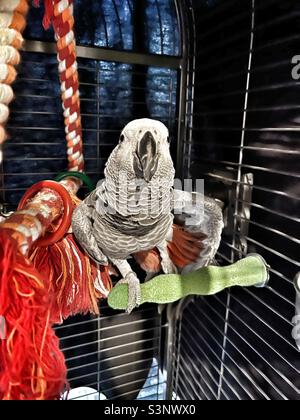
(168, 266)
(150, 276)
(129, 278)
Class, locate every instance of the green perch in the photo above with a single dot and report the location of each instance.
(250, 271)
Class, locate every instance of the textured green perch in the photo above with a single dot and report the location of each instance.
(250, 271)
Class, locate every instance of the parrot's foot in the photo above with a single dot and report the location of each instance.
(134, 291)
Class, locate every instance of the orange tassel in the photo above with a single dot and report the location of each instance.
(73, 278)
(77, 283)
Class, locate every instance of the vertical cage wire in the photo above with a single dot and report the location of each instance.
(238, 188)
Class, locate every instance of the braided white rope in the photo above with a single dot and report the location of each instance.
(12, 20)
(9, 55)
(10, 36)
(8, 5)
(6, 94)
(6, 19)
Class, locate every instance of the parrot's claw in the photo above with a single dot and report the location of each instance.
(134, 291)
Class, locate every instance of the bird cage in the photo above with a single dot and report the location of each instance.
(222, 75)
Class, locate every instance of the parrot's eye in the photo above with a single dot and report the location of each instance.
(122, 138)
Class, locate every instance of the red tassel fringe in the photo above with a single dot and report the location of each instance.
(32, 366)
(73, 277)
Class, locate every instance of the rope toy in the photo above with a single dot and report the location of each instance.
(60, 13)
(71, 269)
(8, 74)
(250, 271)
(12, 24)
(37, 369)
(79, 175)
(65, 223)
(31, 364)
(76, 282)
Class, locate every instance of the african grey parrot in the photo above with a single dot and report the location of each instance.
(131, 211)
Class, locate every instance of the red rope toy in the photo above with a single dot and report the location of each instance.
(65, 223)
(60, 14)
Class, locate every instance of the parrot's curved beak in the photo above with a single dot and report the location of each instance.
(146, 157)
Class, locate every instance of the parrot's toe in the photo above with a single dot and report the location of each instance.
(134, 291)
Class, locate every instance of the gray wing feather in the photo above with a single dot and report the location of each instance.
(203, 215)
(82, 225)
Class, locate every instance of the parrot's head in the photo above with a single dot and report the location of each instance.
(143, 152)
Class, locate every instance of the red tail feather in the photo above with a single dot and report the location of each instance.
(184, 249)
(149, 261)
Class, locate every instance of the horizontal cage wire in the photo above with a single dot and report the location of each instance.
(244, 107)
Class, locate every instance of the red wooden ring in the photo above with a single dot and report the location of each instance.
(52, 238)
